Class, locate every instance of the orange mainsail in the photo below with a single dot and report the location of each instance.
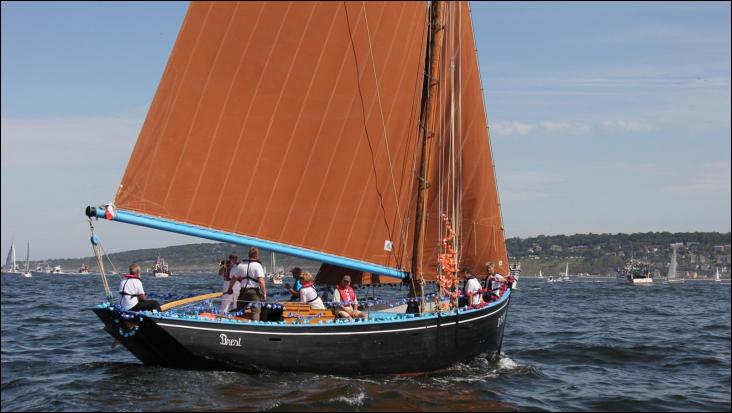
(298, 123)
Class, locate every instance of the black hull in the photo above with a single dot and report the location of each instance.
(415, 345)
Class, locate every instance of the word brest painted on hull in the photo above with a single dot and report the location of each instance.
(350, 133)
(226, 341)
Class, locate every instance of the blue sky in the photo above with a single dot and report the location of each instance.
(605, 117)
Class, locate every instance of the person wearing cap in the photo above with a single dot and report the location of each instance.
(471, 288)
(294, 290)
(344, 298)
(308, 293)
(225, 273)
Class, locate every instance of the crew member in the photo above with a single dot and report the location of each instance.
(294, 290)
(471, 288)
(345, 299)
(253, 290)
(308, 293)
(225, 272)
(132, 295)
(493, 282)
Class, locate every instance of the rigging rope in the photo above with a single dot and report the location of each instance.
(99, 254)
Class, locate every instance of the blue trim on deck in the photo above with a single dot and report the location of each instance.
(215, 235)
(398, 318)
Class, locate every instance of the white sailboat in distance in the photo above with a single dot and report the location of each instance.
(27, 273)
(671, 276)
(10, 265)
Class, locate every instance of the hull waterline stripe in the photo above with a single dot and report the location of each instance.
(275, 333)
(212, 234)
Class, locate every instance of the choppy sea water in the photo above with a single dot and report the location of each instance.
(580, 345)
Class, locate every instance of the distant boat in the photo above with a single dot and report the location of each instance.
(84, 269)
(551, 279)
(10, 265)
(160, 269)
(276, 279)
(636, 272)
(566, 273)
(27, 273)
(717, 278)
(55, 270)
(540, 274)
(515, 271)
(671, 276)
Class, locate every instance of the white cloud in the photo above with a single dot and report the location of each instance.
(509, 128)
(627, 125)
(505, 128)
(29, 143)
(567, 127)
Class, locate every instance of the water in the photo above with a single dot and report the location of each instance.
(568, 346)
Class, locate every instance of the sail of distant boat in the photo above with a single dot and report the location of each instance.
(26, 272)
(363, 130)
(671, 275)
(10, 264)
(27, 257)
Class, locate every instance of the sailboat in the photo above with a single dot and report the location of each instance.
(380, 107)
(540, 274)
(10, 264)
(275, 277)
(27, 273)
(515, 271)
(566, 273)
(717, 277)
(160, 269)
(671, 276)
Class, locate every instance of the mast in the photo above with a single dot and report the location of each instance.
(430, 89)
(27, 257)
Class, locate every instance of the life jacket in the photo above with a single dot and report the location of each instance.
(310, 285)
(347, 294)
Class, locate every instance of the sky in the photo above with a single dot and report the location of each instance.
(604, 117)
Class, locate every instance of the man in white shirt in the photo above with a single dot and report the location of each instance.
(250, 275)
(471, 288)
(132, 295)
(493, 281)
(344, 297)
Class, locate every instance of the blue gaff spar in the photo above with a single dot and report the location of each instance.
(352, 134)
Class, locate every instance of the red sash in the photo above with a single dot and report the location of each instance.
(347, 294)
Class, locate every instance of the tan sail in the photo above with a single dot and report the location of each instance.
(470, 187)
(289, 122)
(480, 235)
(298, 123)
